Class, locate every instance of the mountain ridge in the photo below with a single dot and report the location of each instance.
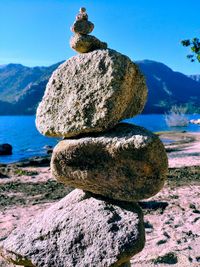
(195, 77)
(22, 87)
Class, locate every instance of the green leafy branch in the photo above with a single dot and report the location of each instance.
(194, 45)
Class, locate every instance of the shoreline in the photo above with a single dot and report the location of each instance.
(30, 161)
(171, 217)
(183, 149)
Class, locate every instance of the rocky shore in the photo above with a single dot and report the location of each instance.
(110, 170)
(171, 217)
(111, 165)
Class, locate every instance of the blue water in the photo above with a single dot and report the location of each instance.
(21, 133)
(156, 123)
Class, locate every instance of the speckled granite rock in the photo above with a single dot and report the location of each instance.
(91, 93)
(81, 41)
(86, 43)
(82, 27)
(78, 231)
(128, 163)
(81, 24)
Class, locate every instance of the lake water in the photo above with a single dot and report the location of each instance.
(21, 133)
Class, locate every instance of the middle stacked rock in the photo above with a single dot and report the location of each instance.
(115, 164)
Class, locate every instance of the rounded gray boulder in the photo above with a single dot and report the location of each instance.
(86, 43)
(80, 230)
(127, 163)
(91, 92)
(82, 27)
(5, 149)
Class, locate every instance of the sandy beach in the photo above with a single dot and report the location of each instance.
(172, 217)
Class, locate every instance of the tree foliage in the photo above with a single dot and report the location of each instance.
(194, 45)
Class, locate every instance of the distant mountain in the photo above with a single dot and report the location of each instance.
(195, 77)
(2, 66)
(6, 108)
(21, 88)
(16, 80)
(168, 88)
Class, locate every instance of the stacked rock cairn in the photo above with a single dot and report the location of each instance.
(113, 165)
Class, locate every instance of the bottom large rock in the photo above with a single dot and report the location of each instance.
(80, 230)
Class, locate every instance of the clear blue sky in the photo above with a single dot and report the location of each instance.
(36, 32)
